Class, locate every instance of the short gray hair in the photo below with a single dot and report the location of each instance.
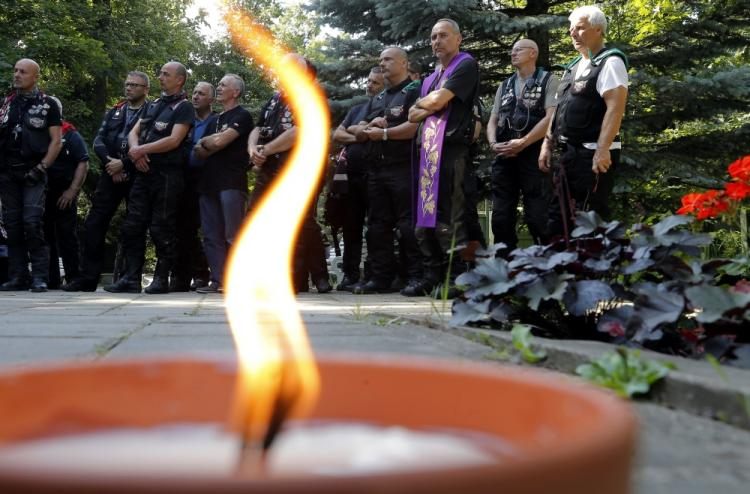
(140, 75)
(238, 83)
(592, 13)
(453, 24)
(211, 88)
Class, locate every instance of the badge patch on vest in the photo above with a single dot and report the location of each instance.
(224, 127)
(397, 111)
(161, 125)
(36, 122)
(579, 86)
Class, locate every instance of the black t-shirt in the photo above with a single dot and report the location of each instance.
(73, 151)
(165, 117)
(355, 152)
(29, 115)
(463, 83)
(227, 169)
(394, 104)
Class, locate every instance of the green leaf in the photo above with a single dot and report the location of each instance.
(624, 372)
(716, 302)
(583, 296)
(551, 286)
(522, 340)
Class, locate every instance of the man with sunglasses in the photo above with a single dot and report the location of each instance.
(115, 179)
(524, 104)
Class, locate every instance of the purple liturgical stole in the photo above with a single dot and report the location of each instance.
(431, 148)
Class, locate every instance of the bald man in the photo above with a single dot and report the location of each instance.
(446, 107)
(389, 180)
(524, 104)
(30, 140)
(159, 145)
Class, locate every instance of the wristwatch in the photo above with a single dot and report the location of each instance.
(385, 134)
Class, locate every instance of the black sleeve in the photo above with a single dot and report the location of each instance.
(242, 122)
(184, 113)
(354, 112)
(78, 150)
(99, 147)
(463, 80)
(53, 113)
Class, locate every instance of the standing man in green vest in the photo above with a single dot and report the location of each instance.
(590, 105)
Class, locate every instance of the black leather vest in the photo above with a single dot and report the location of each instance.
(113, 134)
(157, 123)
(34, 138)
(517, 117)
(580, 108)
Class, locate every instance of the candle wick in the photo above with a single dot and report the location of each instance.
(252, 460)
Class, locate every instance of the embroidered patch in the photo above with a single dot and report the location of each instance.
(579, 86)
(161, 125)
(36, 122)
(397, 111)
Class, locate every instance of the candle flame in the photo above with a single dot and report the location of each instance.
(278, 376)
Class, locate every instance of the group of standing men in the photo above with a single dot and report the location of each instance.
(408, 154)
(180, 167)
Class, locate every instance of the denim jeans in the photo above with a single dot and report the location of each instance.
(222, 215)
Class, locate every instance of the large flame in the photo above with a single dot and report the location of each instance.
(276, 361)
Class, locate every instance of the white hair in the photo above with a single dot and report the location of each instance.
(592, 13)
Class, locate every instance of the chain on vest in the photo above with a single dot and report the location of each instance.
(517, 116)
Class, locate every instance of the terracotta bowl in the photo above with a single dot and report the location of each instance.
(571, 438)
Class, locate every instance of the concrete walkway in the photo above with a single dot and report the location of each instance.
(679, 452)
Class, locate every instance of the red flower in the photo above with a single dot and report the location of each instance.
(737, 191)
(740, 169)
(690, 202)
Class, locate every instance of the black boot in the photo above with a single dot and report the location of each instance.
(124, 285)
(158, 285)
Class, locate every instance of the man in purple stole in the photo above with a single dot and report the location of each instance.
(445, 109)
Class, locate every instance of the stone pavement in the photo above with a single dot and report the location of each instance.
(679, 452)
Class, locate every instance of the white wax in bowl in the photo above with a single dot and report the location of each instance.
(325, 449)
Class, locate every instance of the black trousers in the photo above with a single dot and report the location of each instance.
(520, 178)
(309, 255)
(61, 233)
(23, 212)
(107, 198)
(389, 192)
(153, 206)
(585, 190)
(471, 187)
(355, 214)
(191, 260)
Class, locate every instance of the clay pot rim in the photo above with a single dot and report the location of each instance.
(600, 435)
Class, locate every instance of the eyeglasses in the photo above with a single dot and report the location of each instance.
(134, 84)
(517, 50)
